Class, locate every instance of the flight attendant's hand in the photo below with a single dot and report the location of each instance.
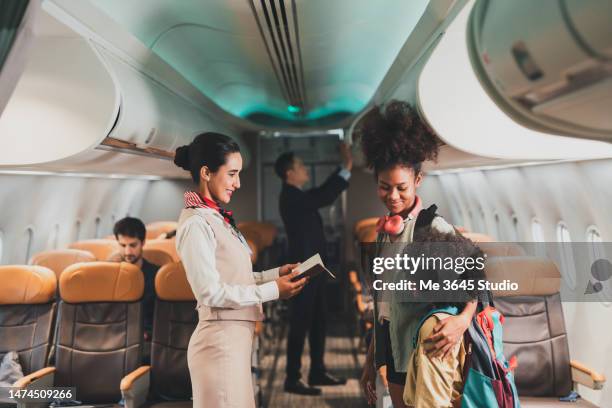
(286, 288)
(286, 269)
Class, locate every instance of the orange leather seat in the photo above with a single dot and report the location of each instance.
(27, 310)
(155, 229)
(59, 259)
(478, 237)
(365, 223)
(102, 249)
(367, 234)
(99, 331)
(254, 251)
(261, 233)
(166, 245)
(502, 249)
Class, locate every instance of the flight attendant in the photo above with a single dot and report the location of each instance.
(217, 261)
(395, 143)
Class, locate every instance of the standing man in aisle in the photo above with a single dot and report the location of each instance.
(299, 210)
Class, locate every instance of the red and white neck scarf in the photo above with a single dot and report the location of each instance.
(195, 200)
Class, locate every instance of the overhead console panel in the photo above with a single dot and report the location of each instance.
(547, 64)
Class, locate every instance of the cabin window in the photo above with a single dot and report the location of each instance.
(597, 251)
(498, 233)
(1, 244)
(97, 227)
(537, 236)
(515, 228)
(568, 267)
(77, 230)
(53, 241)
(29, 238)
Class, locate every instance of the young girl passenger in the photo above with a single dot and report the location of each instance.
(395, 143)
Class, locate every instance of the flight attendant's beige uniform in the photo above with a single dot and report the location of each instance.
(229, 297)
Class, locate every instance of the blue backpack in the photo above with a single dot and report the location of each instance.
(487, 375)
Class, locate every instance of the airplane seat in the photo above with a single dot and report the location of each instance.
(102, 249)
(98, 331)
(534, 331)
(155, 256)
(478, 238)
(166, 245)
(364, 223)
(254, 251)
(175, 320)
(501, 249)
(27, 311)
(265, 231)
(367, 234)
(59, 259)
(155, 229)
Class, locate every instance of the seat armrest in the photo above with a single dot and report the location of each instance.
(43, 377)
(586, 376)
(135, 387)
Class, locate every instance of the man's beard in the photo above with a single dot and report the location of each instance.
(134, 259)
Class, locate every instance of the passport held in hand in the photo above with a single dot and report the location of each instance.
(311, 267)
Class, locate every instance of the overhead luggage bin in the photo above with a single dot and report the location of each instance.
(547, 64)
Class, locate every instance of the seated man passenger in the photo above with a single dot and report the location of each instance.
(130, 233)
(437, 380)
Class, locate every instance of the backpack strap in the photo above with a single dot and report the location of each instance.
(451, 310)
(425, 217)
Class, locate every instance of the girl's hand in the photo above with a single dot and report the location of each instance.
(286, 269)
(446, 334)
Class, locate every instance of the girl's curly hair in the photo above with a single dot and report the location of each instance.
(396, 136)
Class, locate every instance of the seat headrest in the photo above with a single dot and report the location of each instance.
(101, 282)
(478, 237)
(155, 229)
(367, 234)
(502, 249)
(102, 249)
(254, 251)
(534, 276)
(157, 256)
(59, 259)
(265, 230)
(166, 245)
(171, 283)
(26, 284)
(365, 223)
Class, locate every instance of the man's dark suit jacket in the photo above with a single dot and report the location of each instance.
(303, 223)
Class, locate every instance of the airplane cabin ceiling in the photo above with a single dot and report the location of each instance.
(297, 61)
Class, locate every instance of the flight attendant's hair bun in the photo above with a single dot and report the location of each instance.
(207, 149)
(181, 157)
(396, 135)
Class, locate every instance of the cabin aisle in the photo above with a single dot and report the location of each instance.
(341, 358)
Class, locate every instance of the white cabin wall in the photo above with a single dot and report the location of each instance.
(577, 193)
(41, 202)
(164, 200)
